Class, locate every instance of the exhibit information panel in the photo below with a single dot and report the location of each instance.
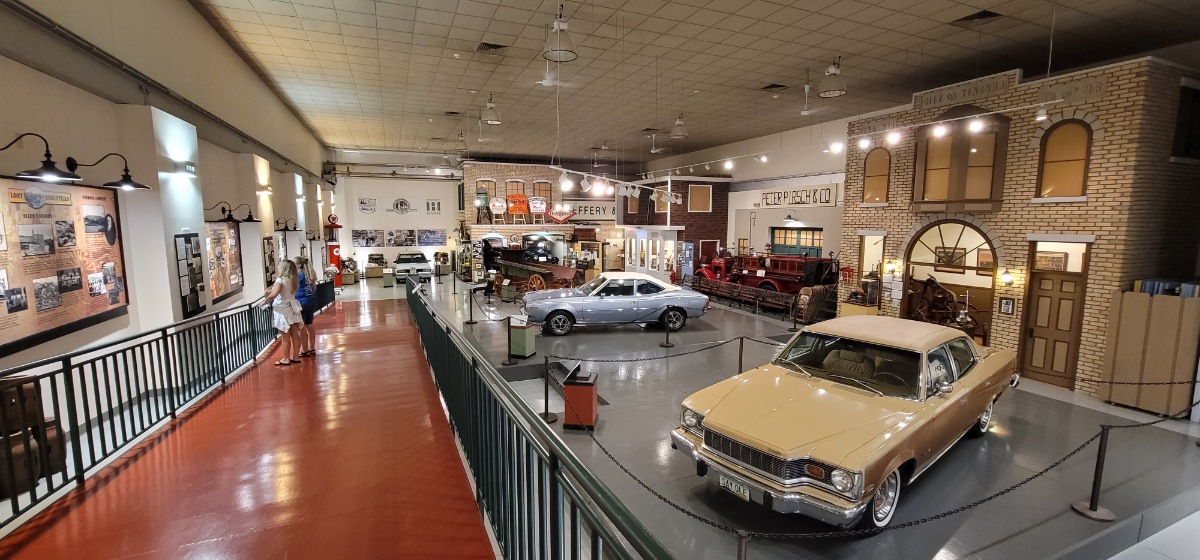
(224, 260)
(61, 266)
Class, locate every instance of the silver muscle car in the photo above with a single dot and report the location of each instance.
(614, 298)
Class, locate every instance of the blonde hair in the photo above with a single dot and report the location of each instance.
(287, 269)
(305, 266)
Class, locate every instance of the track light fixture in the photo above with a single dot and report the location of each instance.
(893, 138)
(565, 183)
(125, 182)
(976, 125)
(1041, 114)
(864, 143)
(585, 185)
(728, 164)
(48, 172)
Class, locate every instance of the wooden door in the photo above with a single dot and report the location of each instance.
(708, 250)
(1052, 326)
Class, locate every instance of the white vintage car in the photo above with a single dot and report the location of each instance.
(614, 298)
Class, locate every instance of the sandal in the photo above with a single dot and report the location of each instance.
(285, 362)
(308, 353)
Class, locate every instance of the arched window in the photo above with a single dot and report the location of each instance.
(875, 175)
(1066, 148)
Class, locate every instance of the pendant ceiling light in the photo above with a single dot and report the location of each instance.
(560, 47)
(461, 145)
(679, 131)
(490, 114)
(833, 85)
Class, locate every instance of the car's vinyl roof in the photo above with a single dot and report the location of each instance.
(889, 331)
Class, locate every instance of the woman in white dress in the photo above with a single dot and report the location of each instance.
(286, 311)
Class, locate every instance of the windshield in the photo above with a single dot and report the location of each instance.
(882, 369)
(595, 283)
(405, 259)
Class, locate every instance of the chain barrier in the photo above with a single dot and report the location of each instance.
(1139, 383)
(767, 342)
(1177, 416)
(646, 359)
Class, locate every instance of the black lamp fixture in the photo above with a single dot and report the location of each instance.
(226, 214)
(249, 214)
(281, 224)
(48, 172)
(125, 182)
(312, 235)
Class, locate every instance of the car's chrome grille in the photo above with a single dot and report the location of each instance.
(770, 465)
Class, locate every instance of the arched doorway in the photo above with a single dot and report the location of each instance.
(950, 270)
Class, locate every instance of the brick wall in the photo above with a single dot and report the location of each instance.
(697, 225)
(1137, 206)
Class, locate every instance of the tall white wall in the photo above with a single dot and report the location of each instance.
(793, 152)
(172, 43)
(385, 192)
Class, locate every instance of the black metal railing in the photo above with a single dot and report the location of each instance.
(540, 500)
(63, 418)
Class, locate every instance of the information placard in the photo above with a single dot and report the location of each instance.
(224, 249)
(53, 238)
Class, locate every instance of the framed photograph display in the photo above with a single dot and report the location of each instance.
(986, 262)
(224, 253)
(1050, 260)
(191, 273)
(269, 259)
(52, 238)
(953, 257)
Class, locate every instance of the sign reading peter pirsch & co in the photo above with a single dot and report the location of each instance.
(818, 195)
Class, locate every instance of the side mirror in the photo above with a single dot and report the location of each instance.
(944, 388)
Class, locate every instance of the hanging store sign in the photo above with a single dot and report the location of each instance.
(537, 205)
(819, 195)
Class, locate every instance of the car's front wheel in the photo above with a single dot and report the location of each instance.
(883, 502)
(673, 319)
(559, 323)
(983, 423)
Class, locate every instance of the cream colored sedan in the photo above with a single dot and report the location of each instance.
(850, 411)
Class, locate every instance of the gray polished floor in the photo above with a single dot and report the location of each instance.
(1145, 466)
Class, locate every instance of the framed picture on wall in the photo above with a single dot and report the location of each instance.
(954, 258)
(1007, 306)
(1050, 260)
(986, 262)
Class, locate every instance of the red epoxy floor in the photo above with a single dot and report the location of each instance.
(347, 455)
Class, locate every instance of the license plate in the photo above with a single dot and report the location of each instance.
(739, 489)
(412, 271)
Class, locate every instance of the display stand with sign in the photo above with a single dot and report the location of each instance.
(498, 206)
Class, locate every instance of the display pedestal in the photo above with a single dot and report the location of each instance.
(389, 278)
(508, 293)
(522, 339)
(349, 276)
(849, 309)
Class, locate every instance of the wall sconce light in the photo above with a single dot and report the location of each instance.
(281, 224)
(226, 215)
(1006, 277)
(125, 182)
(48, 172)
(249, 214)
(185, 168)
(889, 267)
(312, 235)
(264, 189)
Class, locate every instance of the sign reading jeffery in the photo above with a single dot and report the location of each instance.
(66, 270)
(819, 195)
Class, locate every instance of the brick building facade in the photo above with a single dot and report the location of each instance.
(1136, 211)
(710, 225)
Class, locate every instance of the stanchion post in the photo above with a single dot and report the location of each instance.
(546, 415)
(741, 353)
(667, 343)
(743, 543)
(454, 282)
(508, 357)
(794, 327)
(1091, 509)
(470, 309)
(439, 277)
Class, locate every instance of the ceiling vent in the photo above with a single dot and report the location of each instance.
(977, 18)
(491, 48)
(452, 114)
(773, 87)
(649, 130)
(436, 138)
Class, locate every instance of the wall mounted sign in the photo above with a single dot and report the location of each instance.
(433, 207)
(594, 211)
(190, 273)
(367, 205)
(224, 251)
(1073, 91)
(400, 206)
(882, 125)
(537, 205)
(497, 205)
(368, 237)
(819, 195)
(518, 204)
(269, 259)
(397, 238)
(53, 238)
(560, 216)
(961, 93)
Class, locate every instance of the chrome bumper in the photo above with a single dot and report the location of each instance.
(782, 502)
